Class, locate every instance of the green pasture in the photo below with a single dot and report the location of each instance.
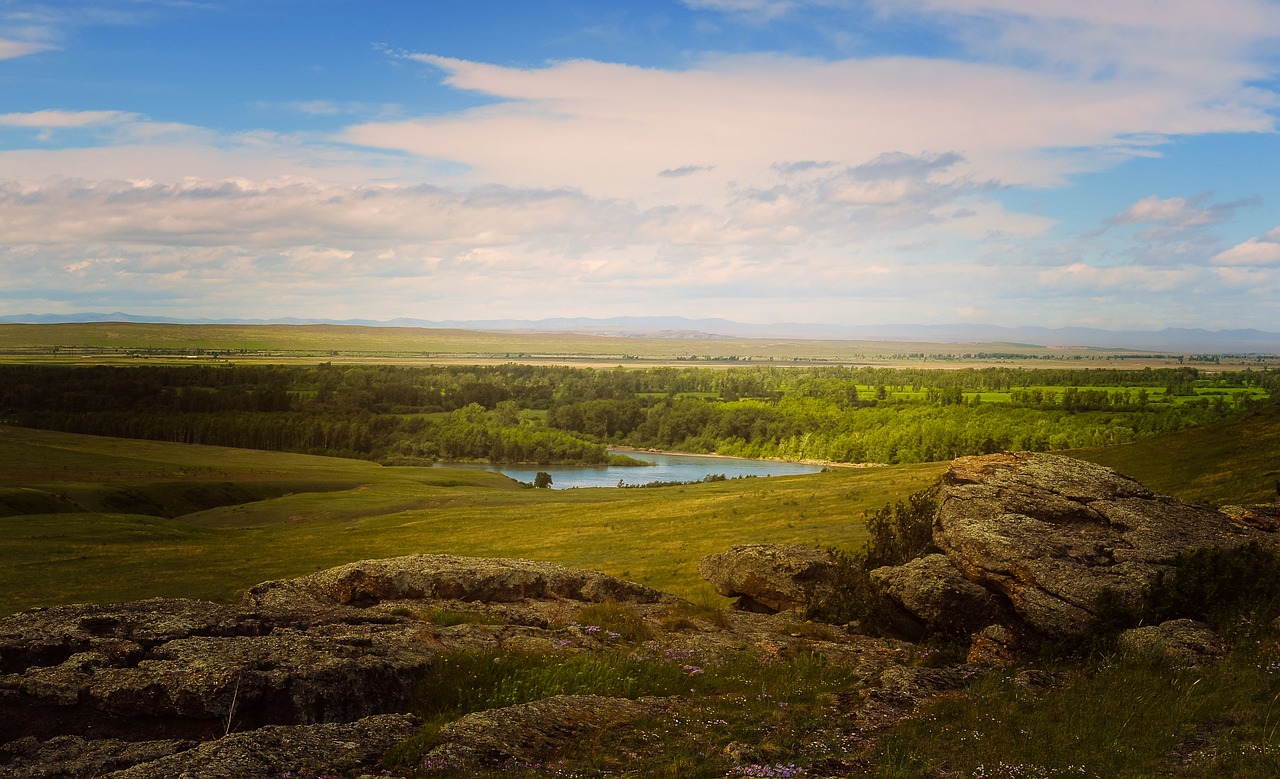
(146, 343)
(85, 518)
(304, 514)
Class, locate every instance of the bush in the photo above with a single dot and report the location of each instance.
(899, 534)
(1216, 586)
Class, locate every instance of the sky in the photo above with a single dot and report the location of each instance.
(1052, 163)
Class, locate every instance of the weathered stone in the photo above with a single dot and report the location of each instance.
(1053, 534)
(1260, 516)
(776, 578)
(533, 731)
(446, 577)
(75, 757)
(197, 687)
(1184, 642)
(995, 645)
(935, 598)
(338, 749)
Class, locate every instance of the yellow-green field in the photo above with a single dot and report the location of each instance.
(85, 518)
(134, 343)
(345, 510)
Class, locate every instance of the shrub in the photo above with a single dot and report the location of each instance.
(1216, 586)
(899, 533)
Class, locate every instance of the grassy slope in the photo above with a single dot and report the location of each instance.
(655, 536)
(1236, 461)
(307, 513)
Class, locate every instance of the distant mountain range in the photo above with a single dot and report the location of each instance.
(1178, 340)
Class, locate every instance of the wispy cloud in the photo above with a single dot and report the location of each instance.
(759, 186)
(53, 119)
(12, 49)
(1177, 229)
(685, 170)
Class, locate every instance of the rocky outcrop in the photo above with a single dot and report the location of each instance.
(186, 684)
(447, 578)
(336, 749)
(532, 732)
(1035, 546)
(1183, 642)
(1052, 535)
(767, 578)
(187, 669)
(931, 597)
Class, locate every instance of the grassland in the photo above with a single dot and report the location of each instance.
(115, 532)
(86, 518)
(130, 343)
(1234, 461)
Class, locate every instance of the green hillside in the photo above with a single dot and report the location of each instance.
(1234, 461)
(118, 533)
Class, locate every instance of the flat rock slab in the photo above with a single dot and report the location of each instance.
(447, 578)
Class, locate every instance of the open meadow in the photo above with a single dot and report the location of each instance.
(106, 519)
(87, 518)
(103, 519)
(100, 519)
(133, 343)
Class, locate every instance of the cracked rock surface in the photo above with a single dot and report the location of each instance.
(1050, 533)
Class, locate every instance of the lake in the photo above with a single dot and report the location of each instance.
(666, 467)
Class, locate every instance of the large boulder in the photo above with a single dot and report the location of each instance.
(1182, 642)
(1054, 536)
(769, 578)
(931, 597)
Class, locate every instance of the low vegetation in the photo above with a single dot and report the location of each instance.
(86, 518)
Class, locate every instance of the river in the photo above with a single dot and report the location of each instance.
(666, 467)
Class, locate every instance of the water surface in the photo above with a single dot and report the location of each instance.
(666, 467)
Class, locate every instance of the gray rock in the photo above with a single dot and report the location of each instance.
(76, 757)
(936, 598)
(1184, 642)
(343, 749)
(197, 686)
(776, 578)
(446, 578)
(1260, 516)
(1052, 533)
(531, 732)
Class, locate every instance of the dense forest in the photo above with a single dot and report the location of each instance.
(546, 414)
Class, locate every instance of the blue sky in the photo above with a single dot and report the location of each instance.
(1059, 162)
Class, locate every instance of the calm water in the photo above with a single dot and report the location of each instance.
(666, 467)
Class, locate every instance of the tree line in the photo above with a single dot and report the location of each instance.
(550, 414)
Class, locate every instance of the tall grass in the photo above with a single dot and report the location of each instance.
(1119, 716)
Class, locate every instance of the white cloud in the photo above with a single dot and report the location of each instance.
(605, 128)
(762, 10)
(1176, 230)
(52, 119)
(1258, 252)
(761, 187)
